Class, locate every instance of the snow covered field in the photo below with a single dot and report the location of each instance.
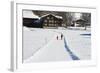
(34, 39)
(41, 45)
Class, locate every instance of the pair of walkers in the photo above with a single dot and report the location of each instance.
(61, 36)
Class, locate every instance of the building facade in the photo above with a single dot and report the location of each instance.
(51, 20)
(48, 20)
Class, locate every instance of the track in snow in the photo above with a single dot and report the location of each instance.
(54, 51)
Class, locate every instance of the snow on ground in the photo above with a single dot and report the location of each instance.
(34, 39)
(41, 45)
(79, 41)
(54, 51)
(88, 28)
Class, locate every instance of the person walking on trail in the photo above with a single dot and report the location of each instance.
(57, 37)
(61, 36)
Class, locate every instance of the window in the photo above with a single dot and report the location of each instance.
(48, 18)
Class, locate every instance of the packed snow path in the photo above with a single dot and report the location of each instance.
(55, 50)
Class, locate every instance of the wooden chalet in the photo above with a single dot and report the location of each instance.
(48, 20)
(79, 22)
(51, 20)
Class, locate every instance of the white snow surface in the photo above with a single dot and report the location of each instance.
(41, 45)
(29, 14)
(54, 51)
(34, 39)
(79, 43)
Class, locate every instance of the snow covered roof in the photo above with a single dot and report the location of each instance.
(58, 17)
(29, 14)
(52, 15)
(80, 20)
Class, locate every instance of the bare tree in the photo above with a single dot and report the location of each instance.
(70, 17)
(87, 18)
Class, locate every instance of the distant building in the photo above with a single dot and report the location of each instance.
(79, 22)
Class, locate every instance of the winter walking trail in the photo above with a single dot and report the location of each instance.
(55, 50)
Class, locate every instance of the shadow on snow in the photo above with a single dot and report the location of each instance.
(73, 56)
(86, 34)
